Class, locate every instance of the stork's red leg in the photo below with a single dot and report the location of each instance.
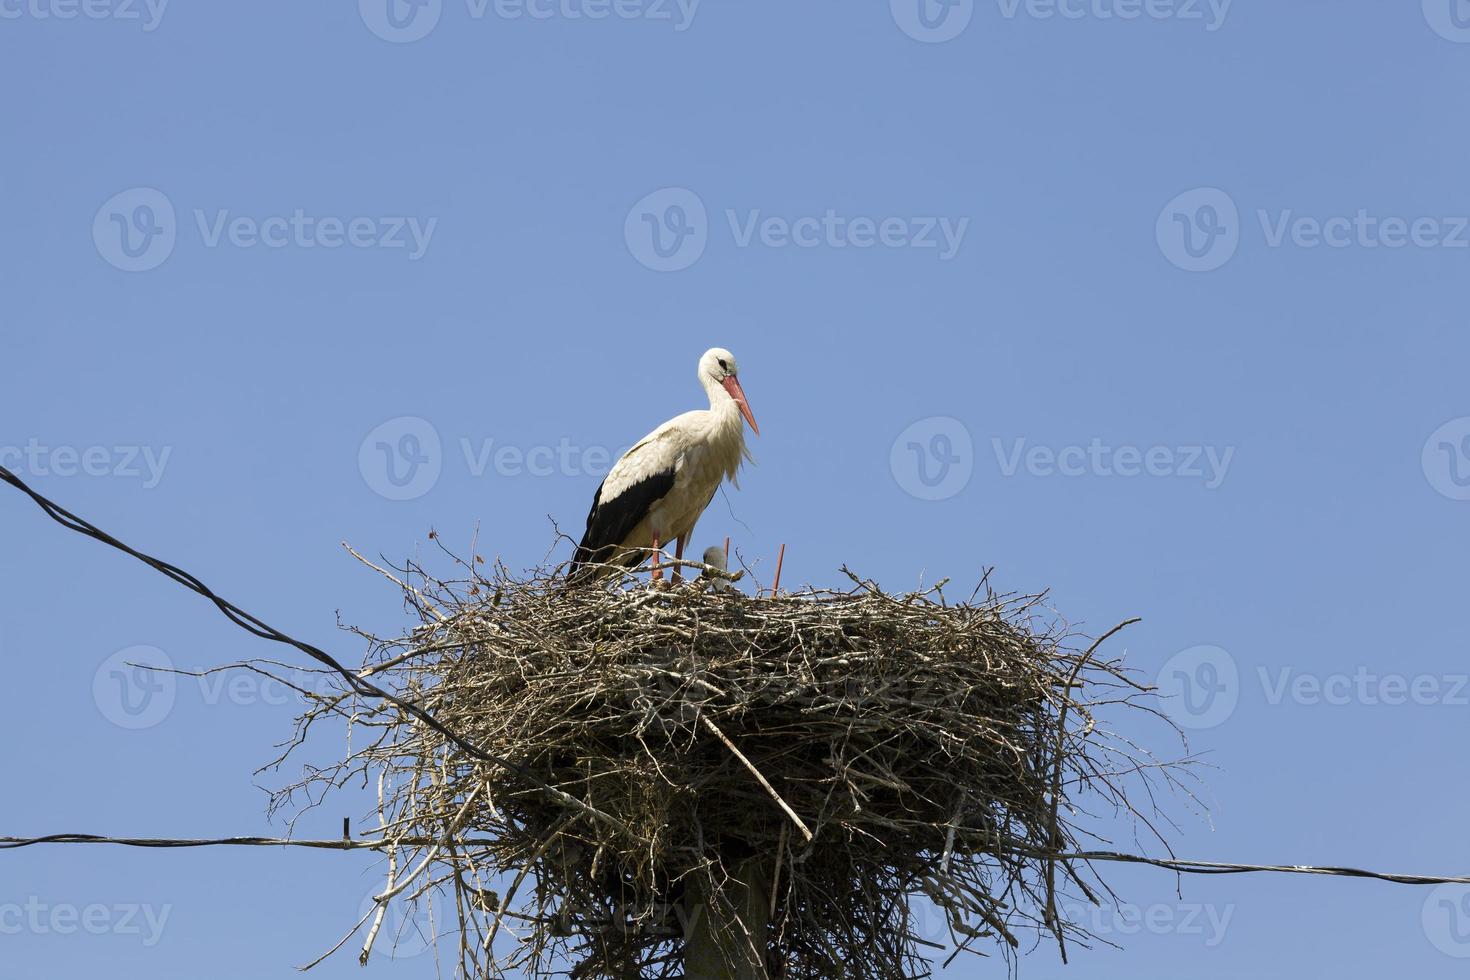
(679, 556)
(658, 572)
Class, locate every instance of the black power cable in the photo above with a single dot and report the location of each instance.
(257, 627)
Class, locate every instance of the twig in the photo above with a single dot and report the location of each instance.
(757, 774)
(776, 875)
(429, 606)
(1056, 788)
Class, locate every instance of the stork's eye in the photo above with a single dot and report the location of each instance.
(723, 365)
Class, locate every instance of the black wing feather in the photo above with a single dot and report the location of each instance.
(610, 522)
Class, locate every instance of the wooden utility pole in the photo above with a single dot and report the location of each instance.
(727, 941)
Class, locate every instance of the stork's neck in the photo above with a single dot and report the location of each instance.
(726, 434)
(723, 408)
(719, 398)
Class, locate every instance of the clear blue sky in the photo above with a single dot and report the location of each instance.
(1049, 293)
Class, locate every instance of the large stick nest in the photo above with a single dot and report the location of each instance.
(859, 759)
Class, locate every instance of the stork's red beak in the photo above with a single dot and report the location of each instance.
(732, 385)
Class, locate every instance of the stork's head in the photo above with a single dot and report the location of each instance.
(718, 365)
(714, 557)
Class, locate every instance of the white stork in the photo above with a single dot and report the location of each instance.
(655, 493)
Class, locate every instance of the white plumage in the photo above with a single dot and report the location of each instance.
(655, 493)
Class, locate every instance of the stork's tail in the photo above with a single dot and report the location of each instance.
(587, 565)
